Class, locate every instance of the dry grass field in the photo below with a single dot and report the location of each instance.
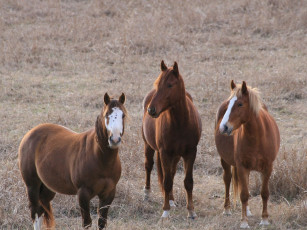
(58, 58)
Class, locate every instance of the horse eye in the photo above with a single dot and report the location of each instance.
(169, 86)
(240, 104)
(124, 115)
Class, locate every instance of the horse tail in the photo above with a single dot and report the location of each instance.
(235, 184)
(48, 216)
(160, 172)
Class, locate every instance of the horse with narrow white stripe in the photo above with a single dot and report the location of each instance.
(241, 123)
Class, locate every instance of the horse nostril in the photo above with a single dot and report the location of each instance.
(119, 139)
(151, 110)
(110, 138)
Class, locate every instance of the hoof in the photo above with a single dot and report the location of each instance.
(165, 214)
(264, 222)
(172, 203)
(192, 215)
(146, 193)
(244, 224)
(227, 212)
(248, 211)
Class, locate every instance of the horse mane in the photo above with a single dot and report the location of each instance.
(255, 101)
(99, 131)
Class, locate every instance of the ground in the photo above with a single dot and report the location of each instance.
(58, 58)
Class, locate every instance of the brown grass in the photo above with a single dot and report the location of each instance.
(58, 58)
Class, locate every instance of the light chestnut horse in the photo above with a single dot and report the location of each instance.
(246, 137)
(54, 159)
(172, 128)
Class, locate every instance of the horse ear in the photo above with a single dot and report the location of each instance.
(175, 69)
(122, 98)
(232, 85)
(163, 66)
(244, 88)
(106, 99)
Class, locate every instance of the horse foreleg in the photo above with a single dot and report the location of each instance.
(149, 154)
(167, 182)
(188, 182)
(244, 195)
(227, 180)
(104, 204)
(174, 169)
(265, 196)
(84, 202)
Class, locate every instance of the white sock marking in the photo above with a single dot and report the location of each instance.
(264, 222)
(172, 203)
(165, 214)
(37, 222)
(227, 114)
(244, 224)
(248, 211)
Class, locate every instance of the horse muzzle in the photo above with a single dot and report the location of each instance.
(226, 130)
(114, 142)
(152, 112)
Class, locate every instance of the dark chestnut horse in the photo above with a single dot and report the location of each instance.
(246, 137)
(54, 159)
(172, 127)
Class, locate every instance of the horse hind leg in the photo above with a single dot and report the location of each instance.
(227, 179)
(188, 183)
(265, 196)
(174, 169)
(149, 154)
(35, 208)
(45, 197)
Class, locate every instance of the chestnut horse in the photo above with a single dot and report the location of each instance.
(172, 127)
(54, 159)
(246, 137)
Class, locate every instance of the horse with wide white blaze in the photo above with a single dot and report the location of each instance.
(55, 159)
(247, 138)
(172, 127)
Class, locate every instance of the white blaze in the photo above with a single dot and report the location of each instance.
(115, 125)
(227, 114)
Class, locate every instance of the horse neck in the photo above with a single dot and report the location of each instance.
(103, 150)
(251, 127)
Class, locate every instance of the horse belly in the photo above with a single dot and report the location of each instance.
(56, 176)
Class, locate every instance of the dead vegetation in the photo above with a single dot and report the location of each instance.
(58, 58)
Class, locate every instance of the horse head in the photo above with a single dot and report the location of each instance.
(238, 110)
(169, 86)
(114, 114)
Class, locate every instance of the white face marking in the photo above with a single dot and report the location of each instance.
(37, 222)
(227, 114)
(115, 125)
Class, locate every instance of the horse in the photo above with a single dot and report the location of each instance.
(54, 159)
(172, 127)
(247, 138)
